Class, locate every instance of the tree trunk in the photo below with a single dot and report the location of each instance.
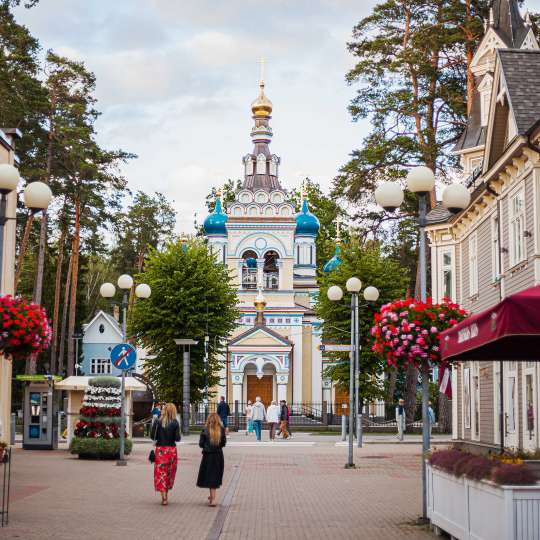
(392, 379)
(38, 285)
(411, 387)
(445, 413)
(57, 295)
(22, 250)
(64, 318)
(73, 293)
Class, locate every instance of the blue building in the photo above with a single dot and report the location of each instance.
(101, 334)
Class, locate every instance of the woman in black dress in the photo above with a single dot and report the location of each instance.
(212, 441)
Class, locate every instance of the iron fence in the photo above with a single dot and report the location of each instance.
(376, 416)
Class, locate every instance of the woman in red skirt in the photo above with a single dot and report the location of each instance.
(166, 432)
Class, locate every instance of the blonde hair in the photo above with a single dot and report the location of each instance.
(214, 427)
(168, 414)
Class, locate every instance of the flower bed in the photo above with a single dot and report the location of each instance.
(471, 496)
(475, 467)
(88, 448)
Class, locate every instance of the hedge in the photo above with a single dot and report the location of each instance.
(88, 448)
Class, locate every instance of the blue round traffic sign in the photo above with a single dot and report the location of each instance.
(123, 356)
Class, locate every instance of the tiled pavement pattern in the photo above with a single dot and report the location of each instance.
(286, 492)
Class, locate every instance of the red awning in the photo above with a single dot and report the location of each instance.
(508, 331)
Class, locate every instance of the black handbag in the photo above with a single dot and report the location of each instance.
(152, 456)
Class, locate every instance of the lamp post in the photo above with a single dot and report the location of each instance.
(371, 294)
(108, 290)
(186, 375)
(456, 197)
(37, 197)
(206, 341)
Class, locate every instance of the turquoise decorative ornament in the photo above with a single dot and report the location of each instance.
(334, 262)
(307, 223)
(215, 223)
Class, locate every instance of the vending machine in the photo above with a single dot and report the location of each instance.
(41, 404)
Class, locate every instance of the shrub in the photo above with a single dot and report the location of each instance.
(445, 459)
(98, 448)
(105, 381)
(513, 475)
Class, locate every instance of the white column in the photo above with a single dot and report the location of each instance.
(296, 338)
(454, 404)
(260, 268)
(279, 264)
(316, 366)
(237, 392)
(282, 392)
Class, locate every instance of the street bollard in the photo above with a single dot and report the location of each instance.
(343, 424)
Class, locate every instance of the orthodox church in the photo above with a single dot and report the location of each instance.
(275, 351)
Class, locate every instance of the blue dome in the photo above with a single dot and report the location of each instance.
(214, 224)
(334, 262)
(306, 222)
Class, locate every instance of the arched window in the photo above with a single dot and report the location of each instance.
(249, 270)
(271, 270)
(261, 164)
(249, 165)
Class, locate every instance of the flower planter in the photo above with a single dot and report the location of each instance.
(471, 510)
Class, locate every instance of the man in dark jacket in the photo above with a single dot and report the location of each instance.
(224, 412)
(284, 420)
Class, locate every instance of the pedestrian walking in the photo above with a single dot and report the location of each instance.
(431, 417)
(249, 419)
(272, 417)
(224, 411)
(284, 419)
(258, 414)
(401, 417)
(156, 412)
(212, 441)
(166, 432)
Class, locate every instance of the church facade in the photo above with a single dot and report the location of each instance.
(271, 252)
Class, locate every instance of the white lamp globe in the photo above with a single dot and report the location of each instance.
(37, 196)
(420, 180)
(125, 281)
(9, 178)
(389, 195)
(456, 197)
(371, 294)
(335, 293)
(353, 285)
(107, 290)
(143, 291)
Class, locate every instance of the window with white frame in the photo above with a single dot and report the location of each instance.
(100, 366)
(473, 264)
(495, 249)
(447, 274)
(516, 216)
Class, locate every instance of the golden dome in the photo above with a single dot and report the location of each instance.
(262, 106)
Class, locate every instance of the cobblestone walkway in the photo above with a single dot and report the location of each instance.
(280, 492)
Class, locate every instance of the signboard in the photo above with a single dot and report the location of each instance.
(332, 347)
(123, 356)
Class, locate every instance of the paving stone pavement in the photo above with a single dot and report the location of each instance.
(269, 492)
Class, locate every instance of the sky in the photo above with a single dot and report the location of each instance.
(175, 80)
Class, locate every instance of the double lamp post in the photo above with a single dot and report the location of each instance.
(107, 291)
(456, 197)
(371, 294)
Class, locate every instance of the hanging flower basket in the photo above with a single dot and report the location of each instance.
(24, 328)
(407, 332)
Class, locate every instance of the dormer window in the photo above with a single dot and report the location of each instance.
(249, 165)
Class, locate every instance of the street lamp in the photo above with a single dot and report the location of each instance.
(371, 294)
(37, 197)
(421, 180)
(108, 290)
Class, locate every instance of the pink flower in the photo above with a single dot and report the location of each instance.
(434, 330)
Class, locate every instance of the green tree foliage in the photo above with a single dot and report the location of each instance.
(148, 223)
(229, 190)
(192, 296)
(373, 268)
(327, 209)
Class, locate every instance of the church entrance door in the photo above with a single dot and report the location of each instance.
(260, 387)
